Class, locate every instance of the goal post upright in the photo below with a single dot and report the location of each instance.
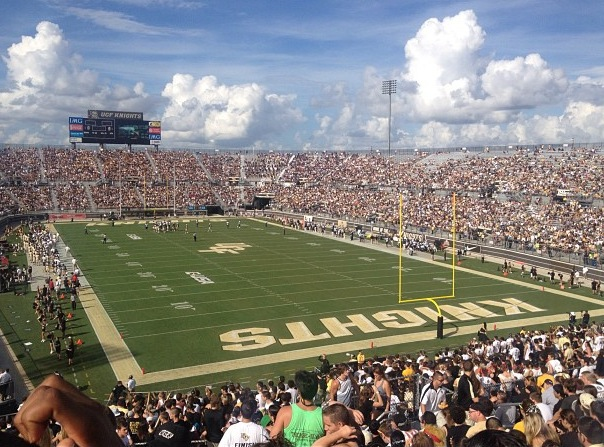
(400, 248)
(454, 257)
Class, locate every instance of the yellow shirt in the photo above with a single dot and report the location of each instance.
(328, 386)
(562, 341)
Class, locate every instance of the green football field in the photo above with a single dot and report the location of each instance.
(255, 302)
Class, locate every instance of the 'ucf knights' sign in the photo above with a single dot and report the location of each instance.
(94, 114)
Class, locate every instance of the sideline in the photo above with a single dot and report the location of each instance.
(117, 352)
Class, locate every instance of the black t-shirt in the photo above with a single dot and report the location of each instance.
(118, 391)
(213, 420)
(171, 434)
(455, 370)
(133, 427)
(366, 408)
(455, 434)
(570, 439)
(464, 392)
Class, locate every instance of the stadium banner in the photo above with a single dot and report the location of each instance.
(308, 218)
(66, 216)
(342, 224)
(110, 114)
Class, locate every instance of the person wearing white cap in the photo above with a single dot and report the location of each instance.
(585, 399)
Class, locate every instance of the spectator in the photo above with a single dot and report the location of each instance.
(384, 389)
(369, 399)
(213, 422)
(422, 440)
(570, 436)
(301, 423)
(433, 397)
(429, 427)
(5, 382)
(117, 392)
(122, 432)
(87, 422)
(469, 388)
(245, 432)
(494, 438)
(537, 431)
(339, 429)
(478, 414)
(344, 386)
(456, 426)
(548, 395)
(590, 432)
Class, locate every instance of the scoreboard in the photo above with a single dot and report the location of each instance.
(114, 131)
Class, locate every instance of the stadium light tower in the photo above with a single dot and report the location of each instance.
(388, 88)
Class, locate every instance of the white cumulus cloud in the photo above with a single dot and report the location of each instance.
(47, 84)
(203, 110)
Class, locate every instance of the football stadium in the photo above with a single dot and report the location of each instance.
(290, 224)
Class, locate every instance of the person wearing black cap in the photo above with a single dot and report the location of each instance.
(118, 391)
(478, 414)
(245, 433)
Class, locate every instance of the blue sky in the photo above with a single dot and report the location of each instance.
(294, 75)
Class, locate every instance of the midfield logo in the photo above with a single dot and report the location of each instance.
(228, 247)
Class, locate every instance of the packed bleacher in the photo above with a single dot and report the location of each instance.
(521, 206)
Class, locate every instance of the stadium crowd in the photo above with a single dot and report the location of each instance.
(353, 187)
